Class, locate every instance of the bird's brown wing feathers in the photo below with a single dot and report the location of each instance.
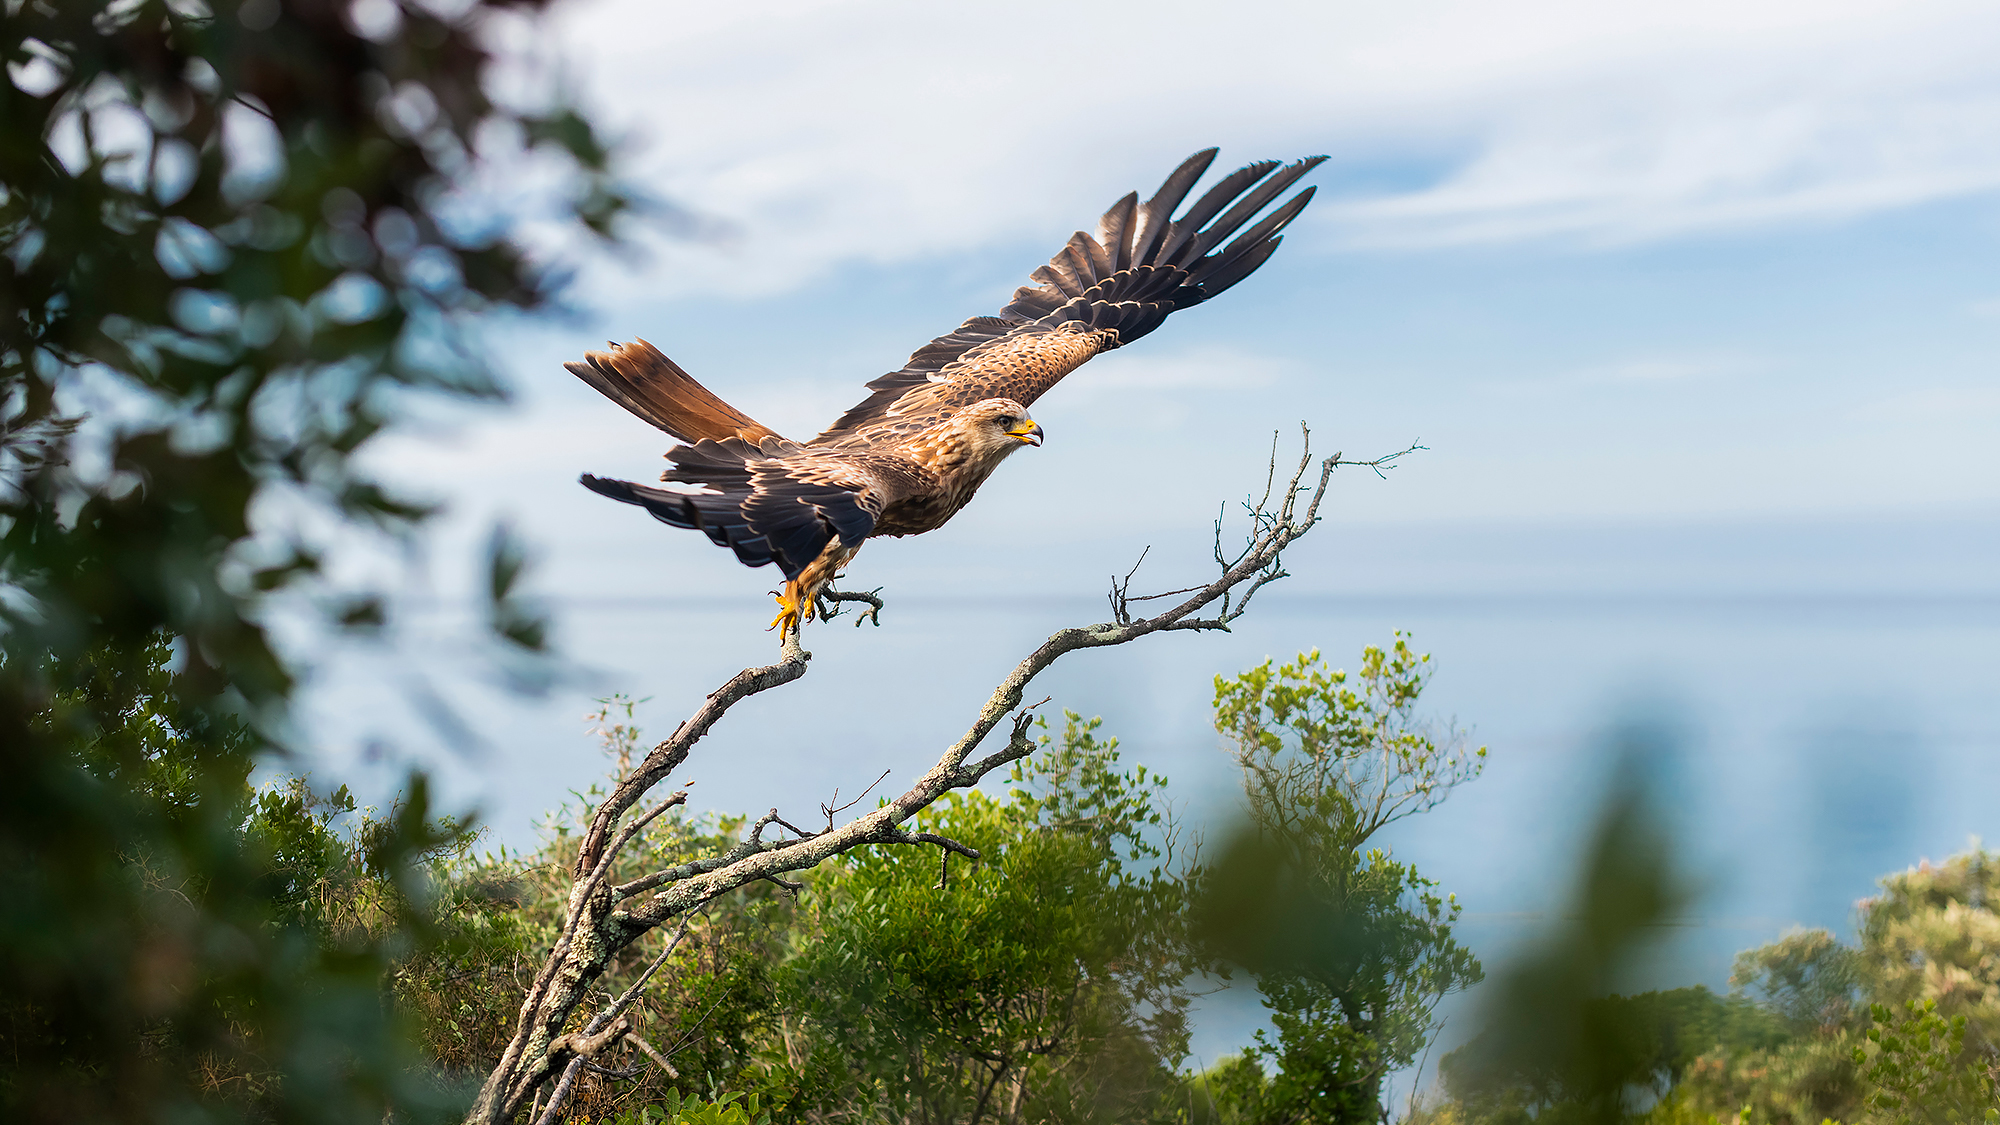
(638, 377)
(1099, 293)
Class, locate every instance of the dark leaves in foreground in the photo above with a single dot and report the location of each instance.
(238, 238)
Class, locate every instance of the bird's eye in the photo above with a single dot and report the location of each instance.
(1006, 421)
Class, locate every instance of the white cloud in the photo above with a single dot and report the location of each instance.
(1934, 405)
(882, 132)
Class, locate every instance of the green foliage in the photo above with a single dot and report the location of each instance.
(256, 932)
(1934, 934)
(1321, 1068)
(1336, 757)
(1806, 977)
(1815, 1032)
(241, 232)
(1644, 1042)
(1234, 1091)
(1046, 982)
(1350, 949)
(673, 1109)
(1921, 1068)
(1924, 941)
(255, 312)
(1041, 984)
(1798, 1082)
(1809, 983)
(495, 915)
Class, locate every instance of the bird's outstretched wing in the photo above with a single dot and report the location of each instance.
(1099, 293)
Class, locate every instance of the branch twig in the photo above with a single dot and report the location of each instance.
(828, 605)
(831, 810)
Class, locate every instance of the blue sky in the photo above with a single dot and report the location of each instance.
(1713, 265)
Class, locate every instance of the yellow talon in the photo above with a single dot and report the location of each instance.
(792, 610)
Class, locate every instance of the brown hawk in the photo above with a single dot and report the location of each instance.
(913, 452)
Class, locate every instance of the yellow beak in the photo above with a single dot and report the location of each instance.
(1027, 432)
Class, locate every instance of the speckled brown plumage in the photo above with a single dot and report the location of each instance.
(912, 454)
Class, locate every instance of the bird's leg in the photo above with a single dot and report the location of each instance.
(801, 594)
(794, 608)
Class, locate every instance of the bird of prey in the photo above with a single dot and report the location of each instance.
(912, 453)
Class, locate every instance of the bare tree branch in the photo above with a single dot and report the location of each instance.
(828, 605)
(659, 1060)
(604, 920)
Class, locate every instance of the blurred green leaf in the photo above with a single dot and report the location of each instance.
(1554, 1030)
(238, 229)
(1351, 950)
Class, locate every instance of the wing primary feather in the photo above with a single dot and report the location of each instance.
(1152, 227)
(1266, 227)
(1242, 266)
(1247, 207)
(1188, 225)
(1159, 211)
(1114, 229)
(1099, 258)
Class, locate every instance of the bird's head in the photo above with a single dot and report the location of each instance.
(996, 427)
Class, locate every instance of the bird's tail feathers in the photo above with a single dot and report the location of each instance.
(640, 378)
